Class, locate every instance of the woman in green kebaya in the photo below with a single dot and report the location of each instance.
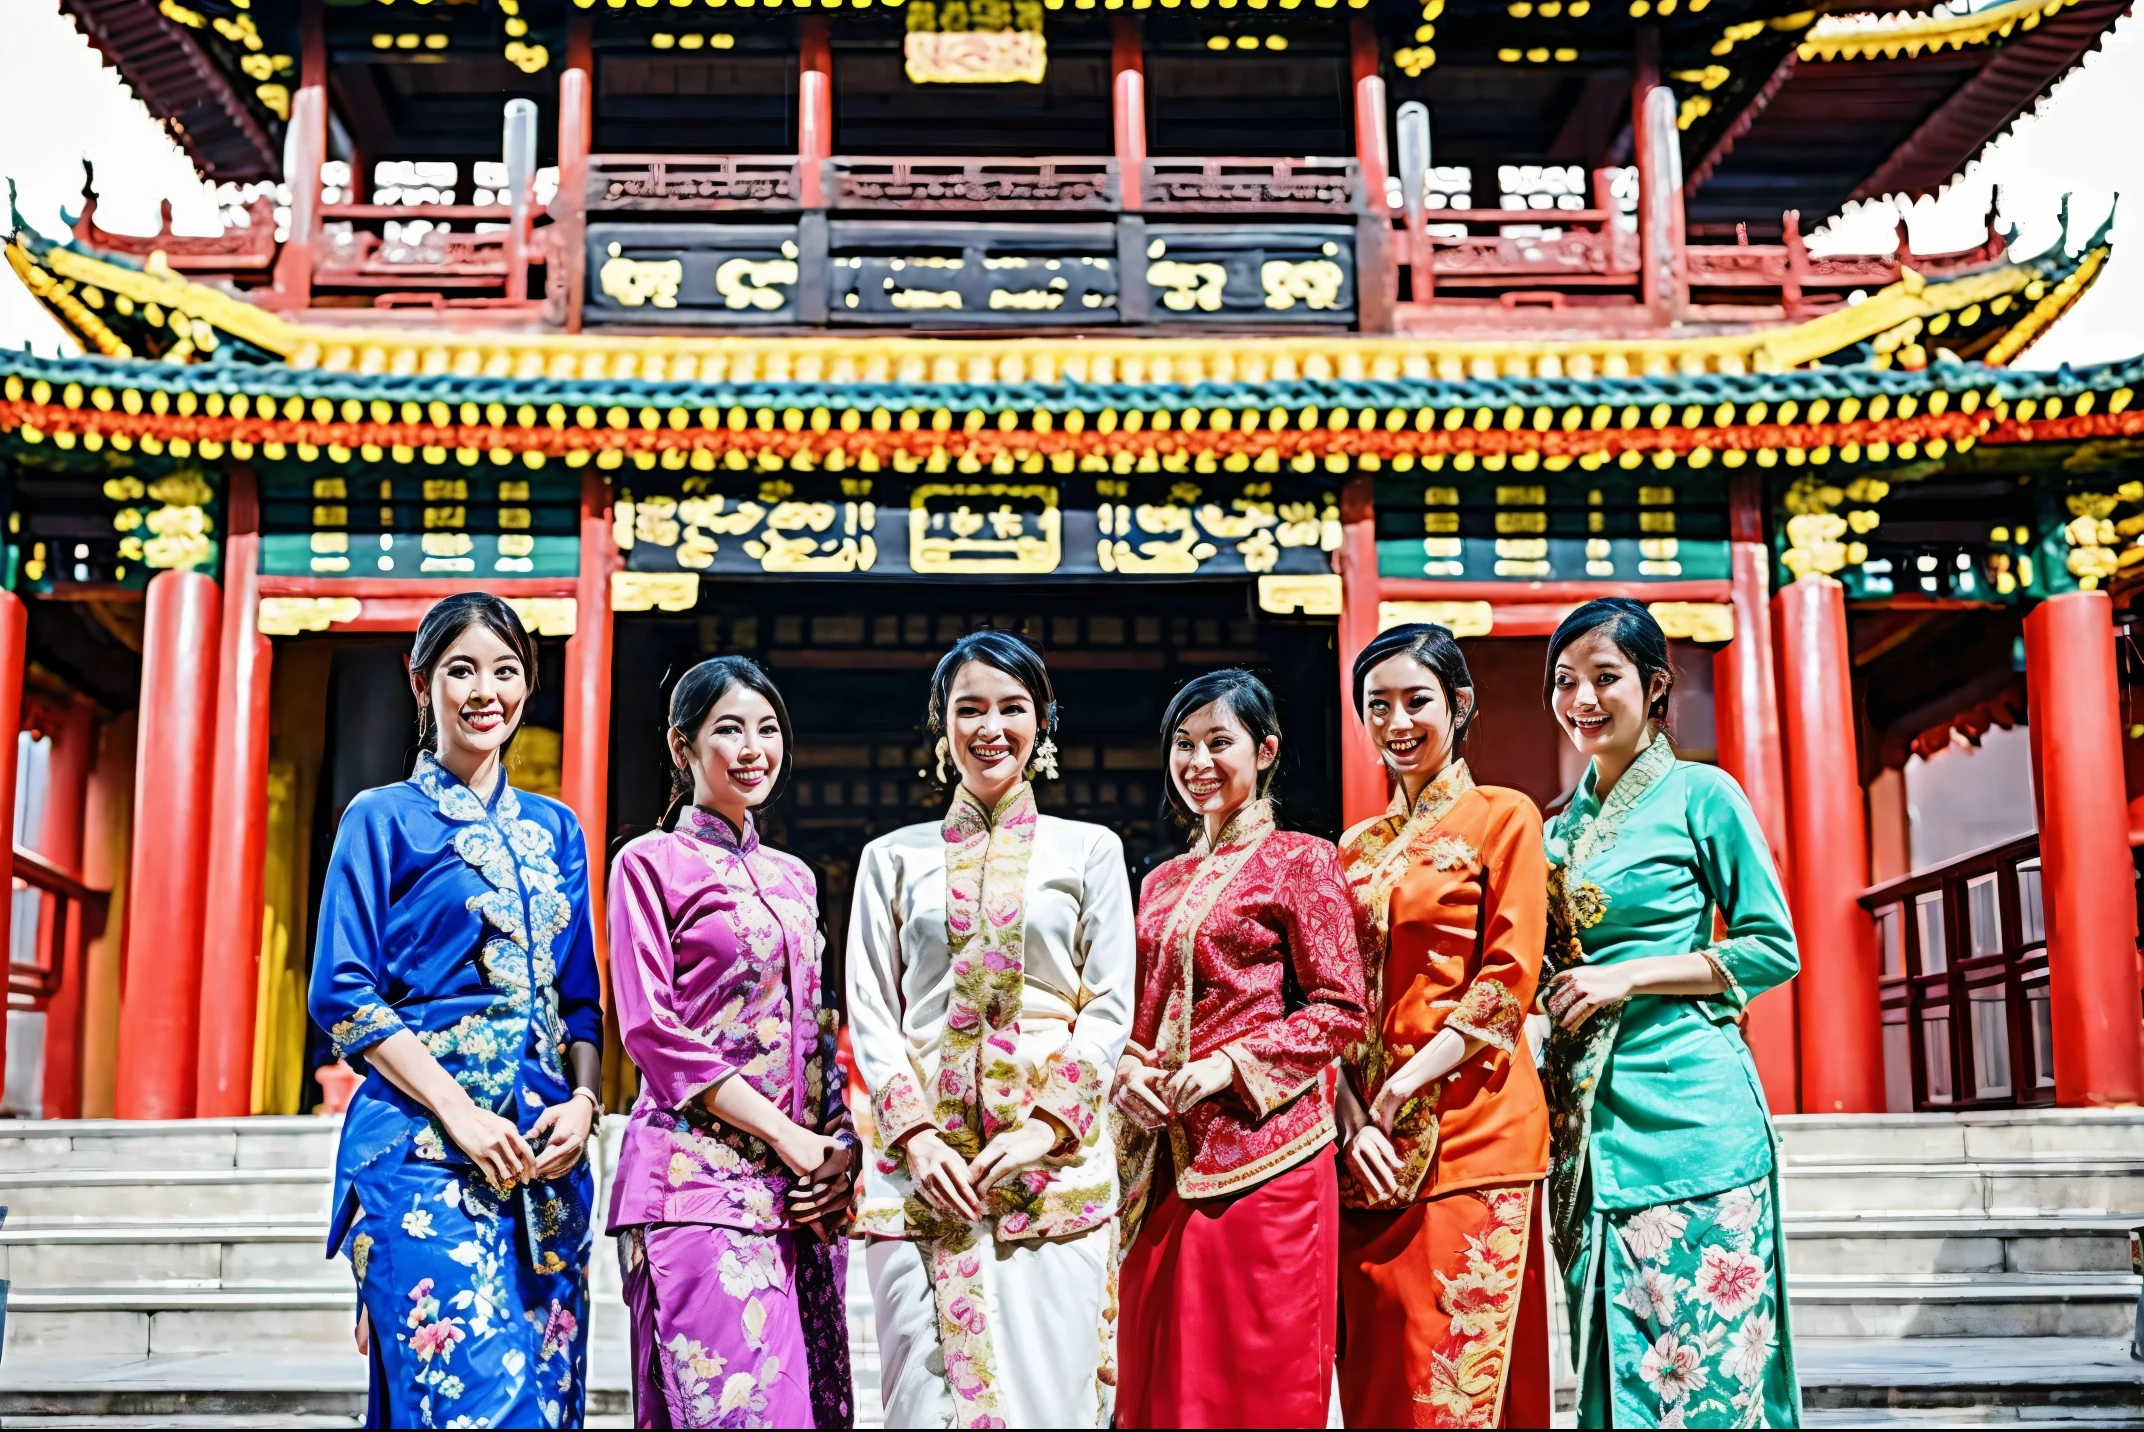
(1664, 1181)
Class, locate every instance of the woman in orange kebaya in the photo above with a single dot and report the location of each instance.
(1443, 1125)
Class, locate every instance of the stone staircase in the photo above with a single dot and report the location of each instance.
(1945, 1269)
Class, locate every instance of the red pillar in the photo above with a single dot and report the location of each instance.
(815, 108)
(576, 125)
(1656, 150)
(1372, 152)
(14, 631)
(167, 880)
(238, 836)
(1746, 715)
(1127, 69)
(1842, 1042)
(2088, 879)
(1363, 791)
(584, 766)
(73, 753)
(308, 151)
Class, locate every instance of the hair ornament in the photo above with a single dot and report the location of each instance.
(1044, 763)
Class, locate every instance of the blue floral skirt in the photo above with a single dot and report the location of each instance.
(466, 1331)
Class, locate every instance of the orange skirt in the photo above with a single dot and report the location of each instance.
(1444, 1312)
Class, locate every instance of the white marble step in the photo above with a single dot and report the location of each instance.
(1998, 1187)
(267, 1142)
(49, 1197)
(1964, 1137)
(1880, 1245)
(1973, 1305)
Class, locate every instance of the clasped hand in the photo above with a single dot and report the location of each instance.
(955, 1187)
(507, 1156)
(825, 1170)
(1162, 1093)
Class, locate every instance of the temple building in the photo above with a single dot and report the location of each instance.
(1172, 334)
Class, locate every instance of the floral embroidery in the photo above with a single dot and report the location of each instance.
(367, 1025)
(1697, 1280)
(1490, 1012)
(897, 1109)
(1218, 865)
(1449, 852)
(1481, 1300)
(981, 1087)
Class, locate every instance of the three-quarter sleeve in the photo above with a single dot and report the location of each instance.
(1277, 1062)
(1514, 929)
(676, 1063)
(883, 1060)
(579, 983)
(1757, 951)
(349, 996)
(1106, 952)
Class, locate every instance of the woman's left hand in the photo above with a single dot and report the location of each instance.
(1402, 1086)
(1200, 1079)
(567, 1125)
(1014, 1151)
(1576, 995)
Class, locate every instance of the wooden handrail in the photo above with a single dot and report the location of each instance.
(34, 870)
(1973, 862)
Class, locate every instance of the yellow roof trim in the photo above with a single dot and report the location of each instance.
(849, 358)
(1887, 37)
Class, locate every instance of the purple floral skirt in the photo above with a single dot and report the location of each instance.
(736, 1329)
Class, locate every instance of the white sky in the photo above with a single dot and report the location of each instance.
(58, 104)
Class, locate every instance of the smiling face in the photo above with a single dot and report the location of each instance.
(1214, 761)
(476, 696)
(990, 725)
(1601, 699)
(736, 755)
(1409, 717)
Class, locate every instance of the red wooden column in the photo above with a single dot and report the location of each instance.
(576, 128)
(1657, 151)
(815, 108)
(1746, 711)
(167, 880)
(2088, 879)
(1127, 89)
(238, 833)
(1828, 865)
(1372, 150)
(584, 766)
(308, 150)
(1363, 791)
(73, 754)
(14, 632)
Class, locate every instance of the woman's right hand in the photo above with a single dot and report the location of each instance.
(1138, 1085)
(1374, 1161)
(941, 1177)
(804, 1151)
(492, 1143)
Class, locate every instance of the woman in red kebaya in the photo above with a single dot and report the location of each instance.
(1250, 985)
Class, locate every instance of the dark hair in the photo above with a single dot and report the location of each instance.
(1632, 628)
(696, 694)
(1434, 647)
(1004, 652)
(1239, 693)
(442, 626)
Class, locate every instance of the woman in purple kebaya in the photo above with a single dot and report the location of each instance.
(734, 1178)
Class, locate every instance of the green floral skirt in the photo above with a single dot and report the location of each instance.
(1683, 1315)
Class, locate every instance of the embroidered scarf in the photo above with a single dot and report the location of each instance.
(981, 1087)
(1576, 1059)
(1217, 868)
(1377, 859)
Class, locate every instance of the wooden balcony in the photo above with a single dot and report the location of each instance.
(1963, 950)
(67, 916)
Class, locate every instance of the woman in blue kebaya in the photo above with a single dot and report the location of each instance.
(457, 967)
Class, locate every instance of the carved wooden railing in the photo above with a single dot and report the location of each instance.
(655, 183)
(1248, 187)
(247, 250)
(354, 251)
(1963, 961)
(1052, 184)
(76, 917)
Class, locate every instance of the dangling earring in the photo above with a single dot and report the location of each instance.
(1044, 763)
(943, 751)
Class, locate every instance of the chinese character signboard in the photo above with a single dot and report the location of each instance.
(444, 520)
(1550, 527)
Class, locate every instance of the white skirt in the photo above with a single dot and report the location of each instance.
(1044, 1300)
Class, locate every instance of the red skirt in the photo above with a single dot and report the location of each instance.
(1446, 1313)
(1229, 1307)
